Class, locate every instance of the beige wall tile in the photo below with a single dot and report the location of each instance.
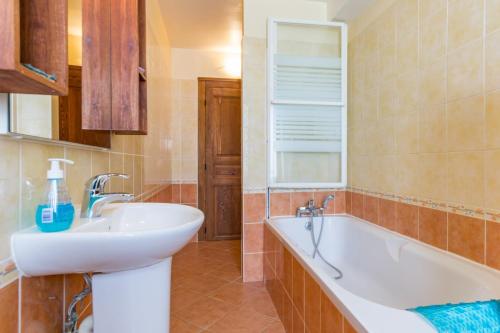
(492, 120)
(492, 69)
(465, 118)
(433, 37)
(465, 21)
(407, 45)
(78, 174)
(128, 168)
(432, 176)
(432, 128)
(492, 15)
(406, 132)
(432, 85)
(116, 166)
(138, 174)
(465, 71)
(492, 195)
(407, 90)
(466, 178)
(429, 7)
(406, 15)
(100, 162)
(407, 173)
(9, 192)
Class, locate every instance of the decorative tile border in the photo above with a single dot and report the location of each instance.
(475, 212)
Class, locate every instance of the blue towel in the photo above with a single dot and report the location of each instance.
(477, 317)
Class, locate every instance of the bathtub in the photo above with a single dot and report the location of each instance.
(384, 272)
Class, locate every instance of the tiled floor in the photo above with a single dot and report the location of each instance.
(208, 294)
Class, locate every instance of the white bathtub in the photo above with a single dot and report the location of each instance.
(384, 273)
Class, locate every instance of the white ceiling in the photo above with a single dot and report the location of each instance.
(204, 24)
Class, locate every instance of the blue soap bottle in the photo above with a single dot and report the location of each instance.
(56, 212)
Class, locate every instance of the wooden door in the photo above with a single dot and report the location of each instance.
(220, 158)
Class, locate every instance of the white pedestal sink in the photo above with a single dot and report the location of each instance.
(128, 249)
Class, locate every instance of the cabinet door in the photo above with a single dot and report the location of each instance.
(113, 53)
(70, 115)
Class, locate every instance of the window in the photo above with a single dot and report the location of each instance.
(307, 101)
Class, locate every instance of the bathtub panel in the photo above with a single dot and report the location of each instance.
(298, 286)
(331, 318)
(287, 272)
(312, 305)
(298, 322)
(288, 314)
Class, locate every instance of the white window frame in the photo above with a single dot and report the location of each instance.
(271, 51)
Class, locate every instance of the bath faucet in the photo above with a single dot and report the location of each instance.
(94, 197)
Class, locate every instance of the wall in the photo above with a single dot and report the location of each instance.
(423, 123)
(256, 13)
(187, 66)
(37, 304)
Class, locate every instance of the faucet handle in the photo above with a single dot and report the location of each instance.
(98, 182)
(310, 203)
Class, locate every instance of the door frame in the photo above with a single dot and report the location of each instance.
(202, 122)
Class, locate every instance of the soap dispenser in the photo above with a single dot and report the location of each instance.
(56, 212)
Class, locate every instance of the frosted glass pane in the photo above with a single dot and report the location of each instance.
(307, 63)
(308, 167)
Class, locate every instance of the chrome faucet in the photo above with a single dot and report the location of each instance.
(312, 211)
(308, 210)
(94, 197)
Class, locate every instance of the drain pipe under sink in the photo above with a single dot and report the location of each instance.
(87, 325)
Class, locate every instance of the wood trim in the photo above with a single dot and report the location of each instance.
(202, 81)
(201, 153)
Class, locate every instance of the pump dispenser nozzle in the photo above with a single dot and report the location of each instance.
(55, 171)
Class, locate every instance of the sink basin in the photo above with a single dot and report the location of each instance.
(129, 250)
(127, 236)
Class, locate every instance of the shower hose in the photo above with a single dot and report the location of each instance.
(316, 246)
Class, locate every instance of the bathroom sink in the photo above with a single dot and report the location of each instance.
(126, 237)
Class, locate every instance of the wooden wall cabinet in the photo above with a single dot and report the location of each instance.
(114, 66)
(34, 32)
(70, 115)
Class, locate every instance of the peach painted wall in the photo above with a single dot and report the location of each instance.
(424, 122)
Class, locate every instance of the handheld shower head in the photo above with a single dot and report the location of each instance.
(327, 200)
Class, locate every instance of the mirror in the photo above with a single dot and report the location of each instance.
(54, 117)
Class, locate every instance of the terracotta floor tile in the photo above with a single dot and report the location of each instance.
(262, 302)
(183, 297)
(242, 319)
(178, 325)
(229, 272)
(208, 294)
(275, 327)
(203, 284)
(204, 312)
(235, 293)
